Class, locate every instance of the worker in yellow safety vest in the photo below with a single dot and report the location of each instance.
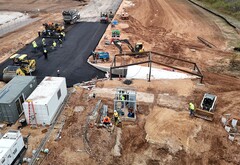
(116, 117)
(54, 45)
(43, 42)
(34, 44)
(191, 109)
(122, 98)
(63, 35)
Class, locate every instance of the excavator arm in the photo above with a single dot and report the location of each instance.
(128, 44)
(116, 43)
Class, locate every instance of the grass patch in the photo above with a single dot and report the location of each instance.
(230, 7)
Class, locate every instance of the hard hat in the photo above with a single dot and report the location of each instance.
(115, 111)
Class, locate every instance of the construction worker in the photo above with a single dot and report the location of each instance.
(63, 36)
(45, 53)
(58, 72)
(106, 121)
(60, 42)
(34, 44)
(122, 98)
(116, 117)
(54, 45)
(44, 42)
(191, 109)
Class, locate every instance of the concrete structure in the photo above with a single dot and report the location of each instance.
(13, 94)
(11, 144)
(46, 100)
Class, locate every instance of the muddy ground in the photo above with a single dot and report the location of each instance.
(163, 132)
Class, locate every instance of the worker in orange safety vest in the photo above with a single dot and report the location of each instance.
(106, 120)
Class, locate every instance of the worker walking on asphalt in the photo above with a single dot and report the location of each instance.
(34, 44)
(44, 42)
(60, 42)
(54, 45)
(63, 36)
(191, 109)
(45, 53)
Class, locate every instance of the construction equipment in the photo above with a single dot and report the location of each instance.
(110, 14)
(138, 46)
(207, 107)
(71, 16)
(11, 146)
(54, 27)
(124, 15)
(116, 34)
(21, 66)
(104, 56)
(104, 17)
(52, 30)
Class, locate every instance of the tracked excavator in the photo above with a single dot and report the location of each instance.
(21, 66)
(137, 49)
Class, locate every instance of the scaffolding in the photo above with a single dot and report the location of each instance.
(125, 103)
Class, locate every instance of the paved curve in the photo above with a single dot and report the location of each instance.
(71, 59)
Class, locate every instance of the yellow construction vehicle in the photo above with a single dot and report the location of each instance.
(21, 66)
(138, 46)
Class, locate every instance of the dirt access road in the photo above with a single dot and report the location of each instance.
(163, 132)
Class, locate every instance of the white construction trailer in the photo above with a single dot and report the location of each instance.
(45, 101)
(11, 144)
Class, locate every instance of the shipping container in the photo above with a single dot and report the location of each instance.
(12, 95)
(46, 100)
(11, 144)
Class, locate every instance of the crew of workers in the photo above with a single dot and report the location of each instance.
(107, 121)
(44, 45)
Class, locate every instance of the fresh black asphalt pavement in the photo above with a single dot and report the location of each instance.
(71, 59)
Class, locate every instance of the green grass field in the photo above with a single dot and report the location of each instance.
(230, 7)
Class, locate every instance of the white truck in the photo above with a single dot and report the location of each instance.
(71, 16)
(11, 145)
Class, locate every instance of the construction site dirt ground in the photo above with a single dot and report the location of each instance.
(163, 132)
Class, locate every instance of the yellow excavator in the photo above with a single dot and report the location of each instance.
(21, 66)
(138, 46)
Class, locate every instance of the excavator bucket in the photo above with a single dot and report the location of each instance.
(203, 114)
